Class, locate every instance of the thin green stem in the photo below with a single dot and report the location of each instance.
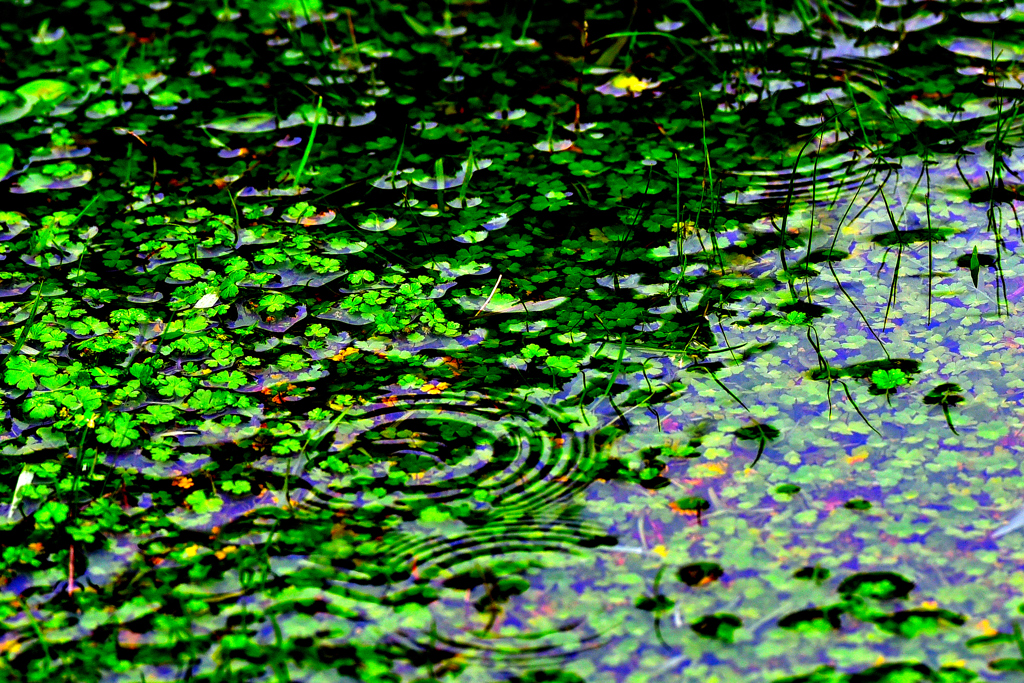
(309, 144)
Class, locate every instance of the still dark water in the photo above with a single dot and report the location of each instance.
(485, 342)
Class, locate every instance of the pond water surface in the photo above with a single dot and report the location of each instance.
(509, 342)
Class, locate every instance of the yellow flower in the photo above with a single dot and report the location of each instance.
(221, 554)
(432, 388)
(630, 83)
(345, 353)
(986, 628)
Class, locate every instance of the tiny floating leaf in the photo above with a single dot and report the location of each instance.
(700, 573)
(717, 626)
(375, 223)
(208, 300)
(877, 585)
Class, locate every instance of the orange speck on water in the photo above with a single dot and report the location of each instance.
(853, 459)
(129, 639)
(183, 482)
(221, 554)
(680, 511)
(986, 628)
(36, 547)
(345, 353)
(453, 365)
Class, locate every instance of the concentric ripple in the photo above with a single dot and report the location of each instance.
(814, 179)
(519, 457)
(530, 652)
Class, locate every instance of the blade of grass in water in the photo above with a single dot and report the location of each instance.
(617, 368)
(398, 162)
(928, 215)
(439, 179)
(629, 234)
(896, 270)
(470, 165)
(860, 117)
(309, 145)
(785, 220)
(832, 267)
(23, 335)
(1014, 523)
(711, 187)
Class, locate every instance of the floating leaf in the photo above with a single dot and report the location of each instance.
(717, 626)
(654, 603)
(44, 94)
(817, 619)
(877, 585)
(889, 379)
(817, 574)
(13, 106)
(375, 223)
(915, 622)
(244, 123)
(38, 182)
(6, 160)
(553, 145)
(507, 303)
(905, 237)
(700, 573)
(208, 300)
